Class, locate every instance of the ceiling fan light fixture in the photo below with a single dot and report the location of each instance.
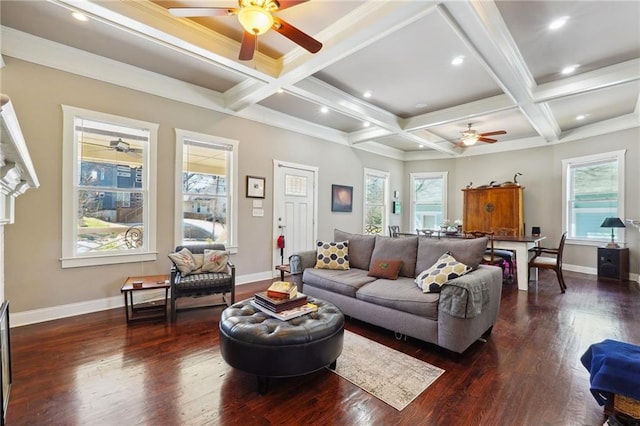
(469, 140)
(255, 19)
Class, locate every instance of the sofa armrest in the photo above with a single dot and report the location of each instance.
(301, 260)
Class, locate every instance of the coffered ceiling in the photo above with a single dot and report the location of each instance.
(399, 53)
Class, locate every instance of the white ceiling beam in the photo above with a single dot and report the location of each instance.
(592, 80)
(154, 23)
(457, 113)
(363, 26)
(315, 90)
(482, 28)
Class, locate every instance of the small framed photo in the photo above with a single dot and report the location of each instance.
(341, 198)
(255, 187)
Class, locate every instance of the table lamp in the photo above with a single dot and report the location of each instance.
(612, 222)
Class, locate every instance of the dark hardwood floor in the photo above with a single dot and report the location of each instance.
(95, 370)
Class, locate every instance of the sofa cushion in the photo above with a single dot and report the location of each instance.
(184, 261)
(341, 282)
(215, 260)
(402, 295)
(467, 251)
(360, 247)
(444, 270)
(332, 255)
(385, 268)
(404, 248)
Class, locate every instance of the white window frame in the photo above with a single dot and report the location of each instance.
(385, 198)
(70, 258)
(427, 175)
(618, 156)
(232, 186)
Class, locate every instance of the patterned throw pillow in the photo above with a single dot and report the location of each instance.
(383, 268)
(184, 261)
(332, 255)
(444, 270)
(215, 260)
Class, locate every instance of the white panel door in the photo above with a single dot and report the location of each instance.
(295, 203)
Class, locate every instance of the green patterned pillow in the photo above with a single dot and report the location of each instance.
(444, 270)
(332, 255)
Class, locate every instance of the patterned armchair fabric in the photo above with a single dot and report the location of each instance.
(203, 284)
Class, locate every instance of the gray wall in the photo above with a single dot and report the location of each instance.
(33, 276)
(35, 280)
(541, 170)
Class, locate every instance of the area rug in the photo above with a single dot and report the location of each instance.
(389, 375)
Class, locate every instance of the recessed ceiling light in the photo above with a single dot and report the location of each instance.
(420, 146)
(558, 23)
(324, 110)
(580, 117)
(281, 90)
(367, 94)
(458, 60)
(421, 105)
(79, 16)
(366, 124)
(570, 69)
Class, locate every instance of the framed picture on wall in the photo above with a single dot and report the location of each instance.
(255, 187)
(341, 198)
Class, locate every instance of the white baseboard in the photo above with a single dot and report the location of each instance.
(63, 311)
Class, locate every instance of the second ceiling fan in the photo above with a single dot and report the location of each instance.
(471, 137)
(256, 17)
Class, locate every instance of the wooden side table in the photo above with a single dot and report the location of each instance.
(148, 310)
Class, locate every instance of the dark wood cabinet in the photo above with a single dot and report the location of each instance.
(613, 263)
(494, 209)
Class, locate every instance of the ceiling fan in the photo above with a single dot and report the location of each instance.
(256, 17)
(471, 137)
(118, 145)
(122, 146)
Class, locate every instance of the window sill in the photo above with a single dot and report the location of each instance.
(593, 243)
(79, 262)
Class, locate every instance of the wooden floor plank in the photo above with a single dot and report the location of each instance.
(95, 370)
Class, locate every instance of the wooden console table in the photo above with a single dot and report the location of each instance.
(149, 310)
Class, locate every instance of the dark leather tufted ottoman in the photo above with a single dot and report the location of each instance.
(257, 343)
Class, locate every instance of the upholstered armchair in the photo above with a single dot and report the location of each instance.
(202, 270)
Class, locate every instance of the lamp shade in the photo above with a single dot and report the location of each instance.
(612, 222)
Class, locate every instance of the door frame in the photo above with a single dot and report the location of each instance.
(277, 190)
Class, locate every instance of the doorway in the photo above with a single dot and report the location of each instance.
(295, 197)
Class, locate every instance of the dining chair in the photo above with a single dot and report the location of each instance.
(552, 260)
(394, 231)
(489, 257)
(507, 255)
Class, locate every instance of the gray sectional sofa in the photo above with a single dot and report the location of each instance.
(463, 311)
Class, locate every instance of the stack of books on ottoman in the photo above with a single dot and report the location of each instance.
(282, 300)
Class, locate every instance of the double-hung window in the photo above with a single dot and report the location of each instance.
(109, 194)
(428, 199)
(206, 184)
(376, 194)
(593, 189)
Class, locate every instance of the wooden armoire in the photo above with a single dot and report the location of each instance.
(494, 209)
